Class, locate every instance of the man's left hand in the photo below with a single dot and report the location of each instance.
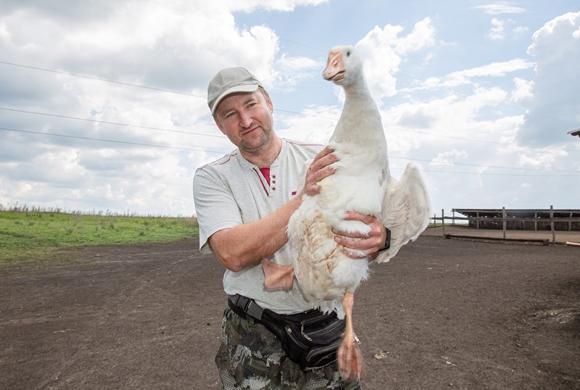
(358, 246)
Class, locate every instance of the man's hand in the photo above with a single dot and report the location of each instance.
(358, 246)
(318, 170)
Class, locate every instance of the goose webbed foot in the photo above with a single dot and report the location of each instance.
(350, 361)
(277, 276)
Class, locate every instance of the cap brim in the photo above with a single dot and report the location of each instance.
(238, 88)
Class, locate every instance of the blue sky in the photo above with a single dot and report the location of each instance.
(479, 94)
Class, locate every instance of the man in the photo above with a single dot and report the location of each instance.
(243, 202)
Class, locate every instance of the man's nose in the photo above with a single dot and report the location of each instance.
(245, 119)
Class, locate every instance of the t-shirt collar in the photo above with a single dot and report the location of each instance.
(283, 150)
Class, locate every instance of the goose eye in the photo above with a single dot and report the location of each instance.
(348, 53)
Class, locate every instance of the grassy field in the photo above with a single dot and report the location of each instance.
(25, 235)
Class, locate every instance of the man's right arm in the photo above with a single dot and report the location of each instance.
(241, 245)
(247, 244)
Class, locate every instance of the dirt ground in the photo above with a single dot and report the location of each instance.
(445, 314)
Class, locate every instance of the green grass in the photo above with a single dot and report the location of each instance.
(27, 235)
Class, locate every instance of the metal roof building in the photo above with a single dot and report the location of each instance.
(523, 219)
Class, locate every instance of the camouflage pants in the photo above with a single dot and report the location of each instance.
(251, 357)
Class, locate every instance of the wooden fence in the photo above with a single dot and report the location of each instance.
(503, 221)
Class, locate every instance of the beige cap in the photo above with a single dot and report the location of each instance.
(228, 81)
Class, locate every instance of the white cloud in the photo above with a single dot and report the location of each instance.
(460, 132)
(129, 44)
(462, 77)
(497, 31)
(555, 106)
(545, 160)
(293, 64)
(314, 124)
(415, 118)
(521, 29)
(432, 124)
(423, 35)
(291, 70)
(383, 50)
(495, 69)
(523, 91)
(59, 167)
(175, 45)
(448, 158)
(271, 5)
(453, 121)
(500, 28)
(500, 9)
(471, 116)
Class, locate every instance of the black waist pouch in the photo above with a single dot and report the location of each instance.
(309, 339)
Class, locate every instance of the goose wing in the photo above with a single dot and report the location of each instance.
(405, 210)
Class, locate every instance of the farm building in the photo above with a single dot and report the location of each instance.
(523, 219)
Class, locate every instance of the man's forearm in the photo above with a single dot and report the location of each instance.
(246, 245)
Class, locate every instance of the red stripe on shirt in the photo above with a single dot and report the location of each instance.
(266, 172)
(262, 183)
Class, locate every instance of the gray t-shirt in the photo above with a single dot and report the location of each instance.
(232, 191)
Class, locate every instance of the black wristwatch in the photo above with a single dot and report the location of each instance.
(387, 241)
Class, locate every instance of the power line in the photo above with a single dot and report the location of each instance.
(108, 122)
(38, 68)
(221, 152)
(293, 112)
(334, 118)
(480, 166)
(116, 82)
(56, 71)
(184, 94)
(456, 138)
(186, 132)
(181, 131)
(180, 93)
(88, 77)
(193, 148)
(498, 174)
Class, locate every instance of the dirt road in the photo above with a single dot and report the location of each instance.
(445, 314)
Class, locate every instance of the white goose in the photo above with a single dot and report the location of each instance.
(361, 183)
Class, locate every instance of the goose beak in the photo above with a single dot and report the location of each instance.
(334, 67)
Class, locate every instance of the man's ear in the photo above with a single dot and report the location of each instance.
(218, 123)
(267, 98)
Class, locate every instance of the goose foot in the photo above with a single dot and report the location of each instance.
(277, 276)
(350, 361)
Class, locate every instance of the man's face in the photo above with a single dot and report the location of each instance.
(246, 119)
